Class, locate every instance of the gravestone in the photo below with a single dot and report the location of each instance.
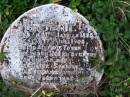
(53, 47)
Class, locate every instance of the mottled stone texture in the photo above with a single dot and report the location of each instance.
(52, 46)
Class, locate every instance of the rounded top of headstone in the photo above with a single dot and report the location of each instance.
(51, 46)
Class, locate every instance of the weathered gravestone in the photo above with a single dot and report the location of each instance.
(51, 46)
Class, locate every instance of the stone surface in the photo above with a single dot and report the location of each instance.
(50, 46)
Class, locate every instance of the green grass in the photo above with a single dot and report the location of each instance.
(111, 19)
(6, 91)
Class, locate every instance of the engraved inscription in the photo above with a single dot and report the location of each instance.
(51, 45)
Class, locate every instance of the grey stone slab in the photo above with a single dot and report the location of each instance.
(51, 46)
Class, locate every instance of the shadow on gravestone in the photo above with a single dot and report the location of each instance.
(51, 46)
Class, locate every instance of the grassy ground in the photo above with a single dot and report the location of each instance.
(111, 19)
